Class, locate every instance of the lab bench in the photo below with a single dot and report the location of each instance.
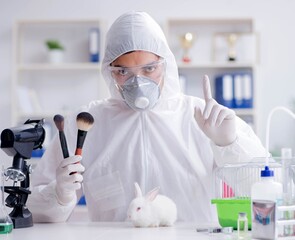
(112, 231)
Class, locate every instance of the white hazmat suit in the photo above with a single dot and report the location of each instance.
(162, 147)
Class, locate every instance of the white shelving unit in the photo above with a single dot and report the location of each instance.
(209, 54)
(41, 89)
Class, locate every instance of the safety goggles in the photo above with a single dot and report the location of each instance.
(154, 71)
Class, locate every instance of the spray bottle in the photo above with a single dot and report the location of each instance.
(266, 195)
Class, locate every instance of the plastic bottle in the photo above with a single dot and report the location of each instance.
(265, 197)
(242, 226)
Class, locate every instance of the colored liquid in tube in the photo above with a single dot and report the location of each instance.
(5, 227)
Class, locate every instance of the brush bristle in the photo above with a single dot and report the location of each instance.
(59, 122)
(84, 121)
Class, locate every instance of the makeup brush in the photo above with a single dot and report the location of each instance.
(84, 122)
(59, 123)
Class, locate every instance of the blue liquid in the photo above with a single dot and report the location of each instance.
(6, 228)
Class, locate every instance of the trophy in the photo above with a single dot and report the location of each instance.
(186, 43)
(232, 39)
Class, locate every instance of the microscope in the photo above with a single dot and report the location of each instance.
(19, 142)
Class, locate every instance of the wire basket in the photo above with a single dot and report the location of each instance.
(235, 180)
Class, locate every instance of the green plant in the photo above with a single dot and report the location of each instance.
(54, 44)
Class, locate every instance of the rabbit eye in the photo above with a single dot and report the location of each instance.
(138, 209)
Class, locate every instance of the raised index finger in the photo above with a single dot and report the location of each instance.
(206, 88)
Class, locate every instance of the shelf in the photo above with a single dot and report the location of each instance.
(58, 21)
(215, 65)
(244, 111)
(212, 21)
(73, 35)
(41, 88)
(63, 66)
(209, 49)
(39, 115)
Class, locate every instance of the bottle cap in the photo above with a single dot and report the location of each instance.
(266, 172)
(242, 214)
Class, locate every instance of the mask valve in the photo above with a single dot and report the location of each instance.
(141, 102)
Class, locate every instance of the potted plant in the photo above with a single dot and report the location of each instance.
(55, 51)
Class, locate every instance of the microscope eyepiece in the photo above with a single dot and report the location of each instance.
(24, 139)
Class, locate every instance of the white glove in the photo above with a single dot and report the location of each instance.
(68, 179)
(217, 121)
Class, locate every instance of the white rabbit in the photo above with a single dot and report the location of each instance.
(151, 210)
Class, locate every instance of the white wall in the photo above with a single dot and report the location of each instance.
(274, 20)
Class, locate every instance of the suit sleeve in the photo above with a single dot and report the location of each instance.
(246, 146)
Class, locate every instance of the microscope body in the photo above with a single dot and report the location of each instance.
(17, 198)
(19, 142)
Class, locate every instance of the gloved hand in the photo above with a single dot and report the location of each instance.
(216, 121)
(68, 179)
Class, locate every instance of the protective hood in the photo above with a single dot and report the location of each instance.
(138, 31)
(162, 147)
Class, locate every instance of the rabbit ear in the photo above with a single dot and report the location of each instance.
(138, 192)
(151, 195)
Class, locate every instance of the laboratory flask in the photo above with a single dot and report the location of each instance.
(6, 224)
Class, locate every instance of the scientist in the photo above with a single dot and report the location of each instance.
(146, 132)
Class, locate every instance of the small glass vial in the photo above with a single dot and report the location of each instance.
(242, 226)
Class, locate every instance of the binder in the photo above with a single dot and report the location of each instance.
(234, 90)
(224, 90)
(182, 82)
(238, 91)
(94, 45)
(247, 91)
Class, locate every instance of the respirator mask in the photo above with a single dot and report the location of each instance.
(140, 86)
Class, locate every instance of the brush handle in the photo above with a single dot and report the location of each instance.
(80, 141)
(63, 144)
(78, 151)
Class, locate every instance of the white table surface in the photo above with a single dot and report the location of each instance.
(111, 231)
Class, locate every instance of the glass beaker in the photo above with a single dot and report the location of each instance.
(6, 224)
